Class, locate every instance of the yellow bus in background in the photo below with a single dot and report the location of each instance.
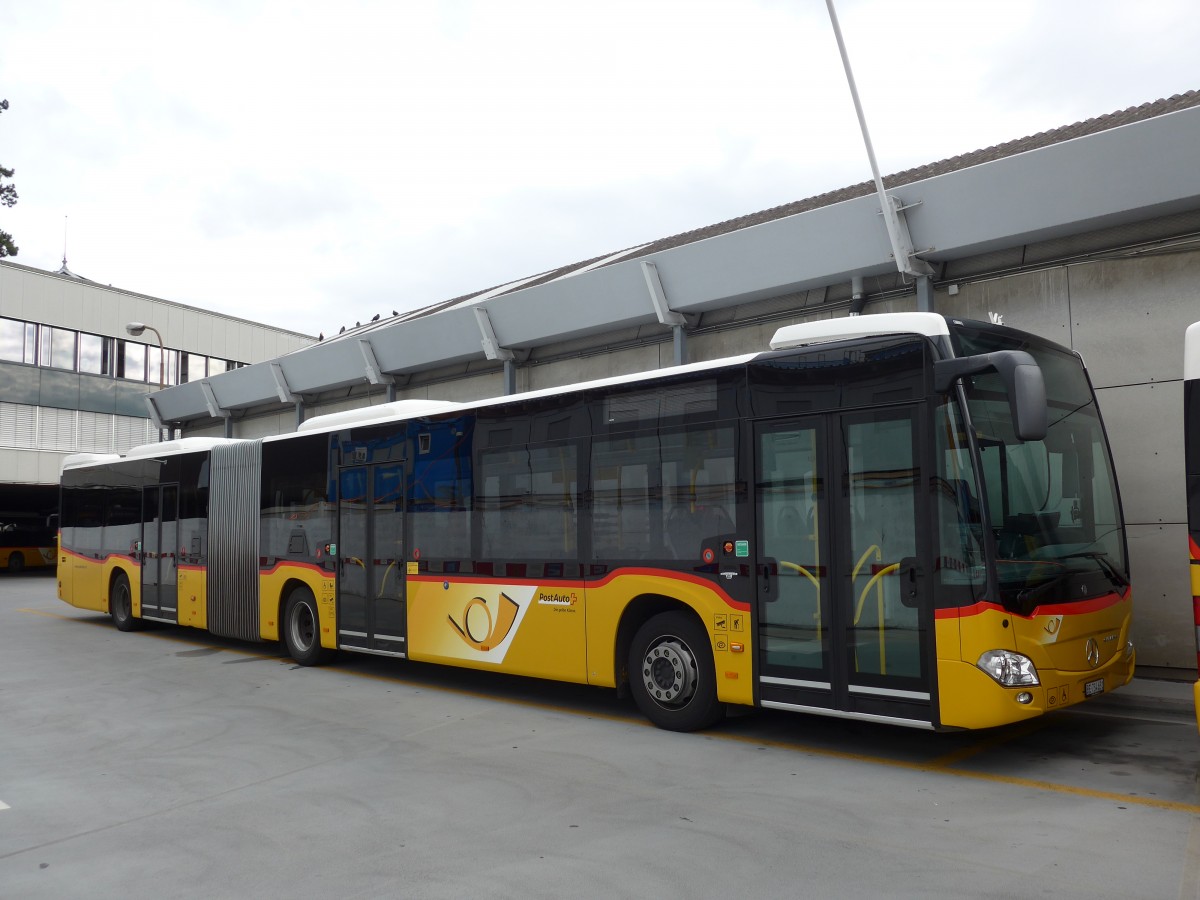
(26, 542)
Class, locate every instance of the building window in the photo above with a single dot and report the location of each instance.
(156, 359)
(57, 348)
(193, 367)
(18, 341)
(131, 360)
(95, 354)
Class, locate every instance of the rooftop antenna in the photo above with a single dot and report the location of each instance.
(891, 207)
(64, 270)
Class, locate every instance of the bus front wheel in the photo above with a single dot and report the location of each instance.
(302, 629)
(120, 605)
(672, 675)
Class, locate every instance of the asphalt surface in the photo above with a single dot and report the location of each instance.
(168, 763)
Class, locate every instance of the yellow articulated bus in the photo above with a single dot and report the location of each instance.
(900, 518)
(1191, 452)
(26, 541)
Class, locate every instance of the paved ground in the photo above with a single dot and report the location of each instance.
(168, 763)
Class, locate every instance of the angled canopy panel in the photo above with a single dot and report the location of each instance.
(430, 342)
(1115, 177)
(250, 386)
(601, 300)
(181, 403)
(325, 367)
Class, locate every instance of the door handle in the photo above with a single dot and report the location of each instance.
(908, 581)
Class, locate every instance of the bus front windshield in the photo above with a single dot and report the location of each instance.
(1053, 504)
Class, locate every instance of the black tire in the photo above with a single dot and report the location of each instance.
(302, 629)
(120, 605)
(671, 673)
(16, 562)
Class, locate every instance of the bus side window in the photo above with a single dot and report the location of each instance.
(699, 485)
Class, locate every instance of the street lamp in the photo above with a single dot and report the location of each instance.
(136, 329)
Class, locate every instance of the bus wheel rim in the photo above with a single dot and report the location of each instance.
(669, 673)
(303, 627)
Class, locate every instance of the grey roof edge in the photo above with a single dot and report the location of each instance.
(80, 280)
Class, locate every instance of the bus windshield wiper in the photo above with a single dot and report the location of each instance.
(1101, 559)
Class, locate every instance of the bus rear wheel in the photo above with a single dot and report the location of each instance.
(672, 675)
(120, 605)
(16, 562)
(302, 629)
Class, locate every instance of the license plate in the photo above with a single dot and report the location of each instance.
(1092, 688)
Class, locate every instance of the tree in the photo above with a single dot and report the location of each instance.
(8, 197)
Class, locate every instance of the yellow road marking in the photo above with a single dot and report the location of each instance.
(939, 766)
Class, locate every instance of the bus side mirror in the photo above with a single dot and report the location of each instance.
(1023, 382)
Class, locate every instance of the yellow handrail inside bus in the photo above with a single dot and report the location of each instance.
(874, 548)
(796, 567)
(384, 580)
(862, 598)
(815, 583)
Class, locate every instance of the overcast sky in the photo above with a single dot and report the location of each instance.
(308, 165)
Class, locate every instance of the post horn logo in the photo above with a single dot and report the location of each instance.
(479, 629)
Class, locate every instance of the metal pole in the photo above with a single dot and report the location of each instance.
(862, 120)
(907, 262)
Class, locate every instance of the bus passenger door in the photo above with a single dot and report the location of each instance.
(371, 612)
(883, 565)
(794, 624)
(843, 615)
(160, 530)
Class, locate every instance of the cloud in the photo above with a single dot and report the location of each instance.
(302, 164)
(253, 203)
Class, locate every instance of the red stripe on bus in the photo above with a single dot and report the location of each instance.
(293, 564)
(1077, 608)
(101, 559)
(577, 583)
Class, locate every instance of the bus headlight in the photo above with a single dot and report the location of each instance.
(1008, 668)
